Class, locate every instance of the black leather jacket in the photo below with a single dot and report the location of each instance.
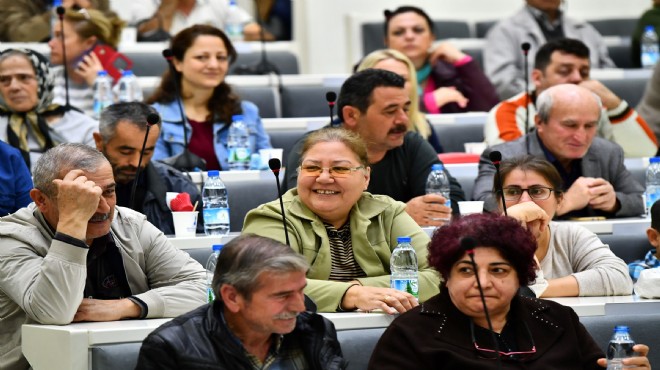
(200, 340)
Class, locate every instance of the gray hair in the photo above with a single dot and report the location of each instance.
(58, 161)
(545, 101)
(245, 257)
(134, 113)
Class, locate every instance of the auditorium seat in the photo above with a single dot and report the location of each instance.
(622, 27)
(286, 62)
(245, 195)
(628, 89)
(305, 101)
(147, 64)
(453, 136)
(266, 98)
(285, 139)
(620, 55)
(373, 33)
(627, 247)
(482, 27)
(477, 54)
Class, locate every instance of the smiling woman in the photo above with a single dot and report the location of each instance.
(346, 233)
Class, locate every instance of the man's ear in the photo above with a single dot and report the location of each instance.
(231, 298)
(39, 198)
(98, 140)
(350, 115)
(536, 76)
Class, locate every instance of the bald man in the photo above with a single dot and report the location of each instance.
(594, 178)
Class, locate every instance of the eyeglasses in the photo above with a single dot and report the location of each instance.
(22, 78)
(535, 192)
(491, 354)
(335, 171)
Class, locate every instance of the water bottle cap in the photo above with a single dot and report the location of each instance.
(649, 28)
(213, 173)
(237, 117)
(654, 160)
(102, 73)
(620, 328)
(437, 167)
(403, 239)
(127, 72)
(57, 3)
(217, 247)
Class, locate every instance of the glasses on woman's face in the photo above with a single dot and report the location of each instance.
(513, 193)
(491, 354)
(22, 78)
(311, 170)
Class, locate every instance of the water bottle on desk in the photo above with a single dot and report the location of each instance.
(234, 22)
(210, 270)
(652, 193)
(216, 205)
(128, 88)
(403, 267)
(438, 183)
(239, 144)
(620, 347)
(103, 95)
(650, 51)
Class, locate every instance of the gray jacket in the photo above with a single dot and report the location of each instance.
(604, 159)
(503, 57)
(42, 280)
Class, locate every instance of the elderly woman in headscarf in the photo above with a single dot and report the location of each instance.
(28, 119)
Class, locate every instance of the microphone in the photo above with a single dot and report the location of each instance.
(60, 15)
(185, 161)
(331, 97)
(263, 66)
(152, 119)
(468, 244)
(525, 46)
(496, 157)
(275, 166)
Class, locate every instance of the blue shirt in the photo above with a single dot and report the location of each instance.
(15, 180)
(649, 262)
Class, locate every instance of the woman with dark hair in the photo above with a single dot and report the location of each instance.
(346, 233)
(451, 330)
(453, 83)
(29, 120)
(573, 261)
(202, 55)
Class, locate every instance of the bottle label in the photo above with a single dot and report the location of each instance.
(216, 216)
(651, 198)
(406, 285)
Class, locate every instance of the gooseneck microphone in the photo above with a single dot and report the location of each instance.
(275, 165)
(468, 244)
(60, 15)
(496, 157)
(262, 67)
(331, 97)
(525, 46)
(185, 161)
(152, 119)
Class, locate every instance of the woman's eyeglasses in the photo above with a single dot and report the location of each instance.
(492, 354)
(535, 192)
(23, 78)
(335, 171)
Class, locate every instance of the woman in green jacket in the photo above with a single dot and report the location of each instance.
(346, 233)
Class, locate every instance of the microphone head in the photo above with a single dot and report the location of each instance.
(468, 244)
(525, 46)
(331, 97)
(152, 119)
(495, 156)
(60, 11)
(168, 54)
(274, 164)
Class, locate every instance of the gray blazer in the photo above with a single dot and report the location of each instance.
(604, 159)
(503, 57)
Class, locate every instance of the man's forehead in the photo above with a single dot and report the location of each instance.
(559, 57)
(387, 95)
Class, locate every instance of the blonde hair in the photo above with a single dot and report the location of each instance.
(106, 26)
(417, 120)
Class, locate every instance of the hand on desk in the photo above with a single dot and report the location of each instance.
(106, 310)
(429, 210)
(638, 362)
(367, 298)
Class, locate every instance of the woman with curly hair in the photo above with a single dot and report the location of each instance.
(201, 57)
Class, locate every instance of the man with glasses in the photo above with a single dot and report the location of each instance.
(594, 178)
(373, 103)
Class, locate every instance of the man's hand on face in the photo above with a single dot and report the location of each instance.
(607, 97)
(429, 210)
(77, 201)
(106, 310)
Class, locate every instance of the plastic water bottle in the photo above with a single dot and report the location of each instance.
(403, 267)
(234, 22)
(649, 47)
(438, 183)
(620, 347)
(103, 95)
(652, 183)
(128, 88)
(255, 161)
(210, 270)
(216, 205)
(238, 143)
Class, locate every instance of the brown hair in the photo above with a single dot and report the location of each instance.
(223, 103)
(106, 26)
(534, 164)
(340, 135)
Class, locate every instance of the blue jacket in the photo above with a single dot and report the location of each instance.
(15, 180)
(171, 142)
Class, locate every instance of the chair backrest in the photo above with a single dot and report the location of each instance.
(358, 345)
(285, 61)
(467, 184)
(623, 27)
(477, 54)
(245, 195)
(373, 34)
(266, 98)
(628, 89)
(453, 136)
(305, 101)
(285, 139)
(200, 255)
(147, 64)
(482, 27)
(621, 56)
(627, 247)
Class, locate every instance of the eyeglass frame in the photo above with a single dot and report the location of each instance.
(331, 172)
(507, 355)
(523, 190)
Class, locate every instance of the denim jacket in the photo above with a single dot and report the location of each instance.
(171, 143)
